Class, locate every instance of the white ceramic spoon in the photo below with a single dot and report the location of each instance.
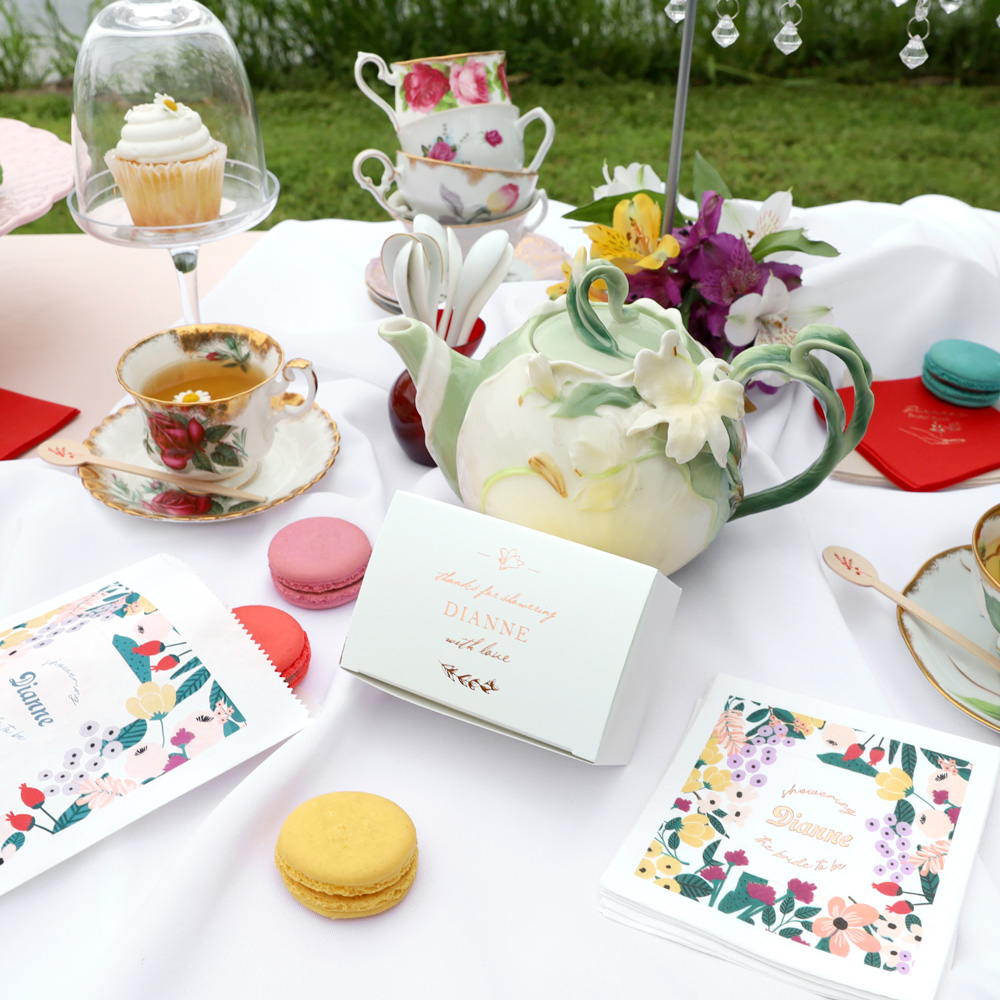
(483, 258)
(391, 250)
(454, 270)
(417, 284)
(489, 286)
(435, 268)
(400, 280)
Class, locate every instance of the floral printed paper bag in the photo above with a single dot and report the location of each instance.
(118, 697)
(826, 843)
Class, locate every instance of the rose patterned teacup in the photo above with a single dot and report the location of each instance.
(452, 193)
(437, 83)
(986, 549)
(485, 135)
(230, 384)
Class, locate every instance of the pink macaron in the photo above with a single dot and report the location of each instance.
(319, 562)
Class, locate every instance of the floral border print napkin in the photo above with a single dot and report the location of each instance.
(825, 844)
(920, 442)
(26, 422)
(118, 697)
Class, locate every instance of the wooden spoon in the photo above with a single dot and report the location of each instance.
(857, 569)
(62, 451)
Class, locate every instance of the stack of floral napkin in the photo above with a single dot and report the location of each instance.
(825, 845)
(120, 696)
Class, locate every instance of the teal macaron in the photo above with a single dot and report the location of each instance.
(962, 372)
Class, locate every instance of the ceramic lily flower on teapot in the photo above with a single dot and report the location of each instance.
(607, 424)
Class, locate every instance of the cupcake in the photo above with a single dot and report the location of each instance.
(168, 166)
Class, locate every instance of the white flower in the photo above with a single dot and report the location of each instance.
(634, 177)
(743, 218)
(691, 400)
(192, 396)
(605, 456)
(775, 317)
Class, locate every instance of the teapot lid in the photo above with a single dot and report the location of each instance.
(604, 336)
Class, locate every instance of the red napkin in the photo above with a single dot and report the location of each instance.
(921, 442)
(26, 422)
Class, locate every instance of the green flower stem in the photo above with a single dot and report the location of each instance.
(717, 888)
(520, 470)
(47, 813)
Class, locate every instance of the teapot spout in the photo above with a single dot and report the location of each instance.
(445, 381)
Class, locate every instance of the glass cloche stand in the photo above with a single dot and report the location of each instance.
(133, 50)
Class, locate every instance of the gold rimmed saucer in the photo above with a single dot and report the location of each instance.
(302, 453)
(946, 586)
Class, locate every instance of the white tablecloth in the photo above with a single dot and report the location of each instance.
(513, 839)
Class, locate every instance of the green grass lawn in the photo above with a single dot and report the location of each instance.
(828, 142)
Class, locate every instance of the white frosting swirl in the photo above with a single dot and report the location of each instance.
(163, 132)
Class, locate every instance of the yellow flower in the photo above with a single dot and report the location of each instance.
(645, 870)
(152, 701)
(694, 782)
(654, 850)
(669, 883)
(711, 754)
(717, 778)
(667, 865)
(598, 290)
(634, 241)
(696, 830)
(894, 784)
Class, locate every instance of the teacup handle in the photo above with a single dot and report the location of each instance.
(389, 176)
(384, 74)
(796, 361)
(541, 198)
(283, 409)
(539, 115)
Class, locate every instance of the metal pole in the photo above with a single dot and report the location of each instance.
(680, 110)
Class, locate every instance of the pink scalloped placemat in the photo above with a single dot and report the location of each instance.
(37, 172)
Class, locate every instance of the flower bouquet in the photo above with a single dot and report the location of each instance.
(725, 270)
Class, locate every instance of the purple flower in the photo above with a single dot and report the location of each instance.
(762, 893)
(802, 891)
(952, 814)
(174, 760)
(493, 137)
(714, 874)
(181, 737)
(683, 804)
(940, 796)
(736, 858)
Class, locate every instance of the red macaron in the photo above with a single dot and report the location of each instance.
(319, 562)
(280, 636)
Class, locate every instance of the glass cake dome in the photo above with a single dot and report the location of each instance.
(173, 62)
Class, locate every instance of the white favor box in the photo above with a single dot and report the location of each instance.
(509, 628)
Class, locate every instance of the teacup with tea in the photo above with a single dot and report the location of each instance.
(986, 549)
(212, 396)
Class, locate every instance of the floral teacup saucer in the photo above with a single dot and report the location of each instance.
(302, 452)
(945, 586)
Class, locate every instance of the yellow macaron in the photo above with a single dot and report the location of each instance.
(347, 854)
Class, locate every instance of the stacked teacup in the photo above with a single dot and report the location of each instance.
(461, 146)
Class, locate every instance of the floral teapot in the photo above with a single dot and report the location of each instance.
(608, 424)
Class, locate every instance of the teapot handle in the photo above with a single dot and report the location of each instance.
(796, 361)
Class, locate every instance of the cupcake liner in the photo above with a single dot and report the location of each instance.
(171, 194)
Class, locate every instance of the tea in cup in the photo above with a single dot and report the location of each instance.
(437, 83)
(483, 135)
(986, 549)
(212, 396)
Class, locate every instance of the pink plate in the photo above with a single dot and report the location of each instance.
(37, 172)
